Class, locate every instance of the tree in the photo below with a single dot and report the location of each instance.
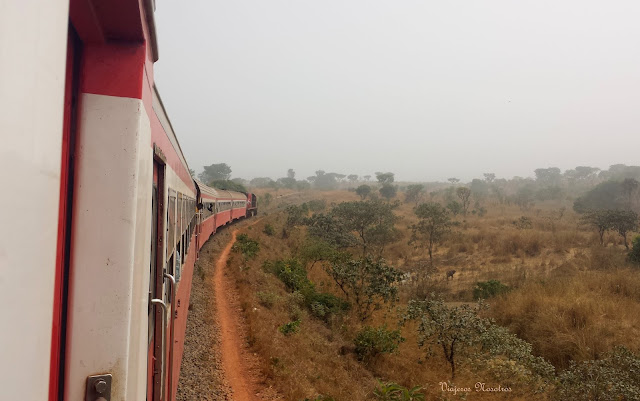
(607, 195)
(291, 174)
(464, 194)
(385, 178)
(215, 172)
(324, 181)
(366, 283)
(433, 226)
(601, 220)
(192, 173)
(454, 207)
(630, 189)
(489, 177)
(453, 180)
(372, 221)
(412, 195)
(352, 178)
(363, 191)
(524, 198)
(266, 199)
(228, 185)
(367, 178)
(261, 182)
(548, 176)
(624, 222)
(452, 328)
(388, 191)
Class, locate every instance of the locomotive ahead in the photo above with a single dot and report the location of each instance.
(101, 220)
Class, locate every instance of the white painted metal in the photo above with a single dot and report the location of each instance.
(33, 39)
(110, 250)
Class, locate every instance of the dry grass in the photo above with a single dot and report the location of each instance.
(576, 317)
(572, 299)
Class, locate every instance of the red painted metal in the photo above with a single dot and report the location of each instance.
(114, 70)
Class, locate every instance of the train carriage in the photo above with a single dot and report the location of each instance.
(102, 227)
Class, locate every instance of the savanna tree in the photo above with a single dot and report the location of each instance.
(464, 194)
(371, 221)
(388, 191)
(412, 194)
(433, 225)
(363, 191)
(454, 329)
(365, 282)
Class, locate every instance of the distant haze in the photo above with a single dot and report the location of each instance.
(425, 89)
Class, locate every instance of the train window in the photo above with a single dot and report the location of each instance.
(180, 221)
(171, 221)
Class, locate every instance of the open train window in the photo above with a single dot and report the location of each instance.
(171, 221)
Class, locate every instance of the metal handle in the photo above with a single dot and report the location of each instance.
(172, 331)
(161, 303)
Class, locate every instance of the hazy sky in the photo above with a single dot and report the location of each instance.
(425, 89)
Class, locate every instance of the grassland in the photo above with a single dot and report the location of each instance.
(570, 298)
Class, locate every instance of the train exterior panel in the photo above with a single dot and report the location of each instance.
(104, 282)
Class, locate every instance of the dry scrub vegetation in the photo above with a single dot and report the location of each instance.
(559, 290)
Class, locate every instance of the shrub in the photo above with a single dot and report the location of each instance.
(294, 276)
(269, 230)
(634, 254)
(370, 342)
(615, 377)
(290, 328)
(266, 299)
(523, 223)
(316, 205)
(396, 392)
(290, 272)
(246, 246)
(488, 289)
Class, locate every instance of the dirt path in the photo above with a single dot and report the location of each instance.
(236, 360)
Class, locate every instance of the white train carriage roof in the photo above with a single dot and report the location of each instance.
(219, 193)
(207, 190)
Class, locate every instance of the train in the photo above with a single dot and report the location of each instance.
(102, 222)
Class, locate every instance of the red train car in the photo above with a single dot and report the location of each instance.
(102, 225)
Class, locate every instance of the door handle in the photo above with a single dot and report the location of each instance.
(172, 279)
(161, 303)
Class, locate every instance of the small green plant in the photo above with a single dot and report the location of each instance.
(269, 230)
(267, 298)
(370, 342)
(396, 392)
(634, 254)
(246, 246)
(488, 289)
(523, 223)
(320, 398)
(290, 328)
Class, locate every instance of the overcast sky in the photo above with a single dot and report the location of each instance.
(425, 89)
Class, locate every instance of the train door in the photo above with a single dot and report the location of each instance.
(157, 308)
(60, 303)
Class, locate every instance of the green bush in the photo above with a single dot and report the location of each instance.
(269, 230)
(267, 299)
(370, 342)
(488, 289)
(323, 305)
(294, 276)
(316, 205)
(396, 392)
(615, 377)
(634, 254)
(290, 328)
(246, 246)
